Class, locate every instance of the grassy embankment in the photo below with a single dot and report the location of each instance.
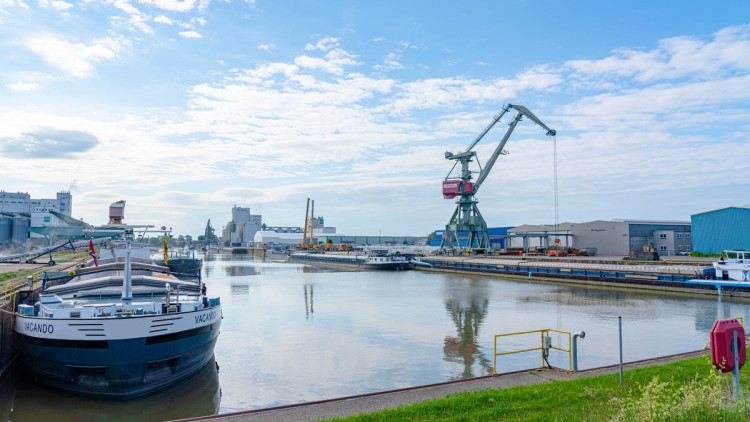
(689, 390)
(63, 257)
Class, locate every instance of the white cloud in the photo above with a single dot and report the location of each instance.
(163, 19)
(266, 47)
(55, 4)
(191, 34)
(13, 3)
(333, 62)
(171, 5)
(23, 86)
(126, 7)
(675, 57)
(76, 59)
(324, 44)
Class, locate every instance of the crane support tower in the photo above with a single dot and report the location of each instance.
(467, 218)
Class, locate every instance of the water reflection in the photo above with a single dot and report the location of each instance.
(309, 309)
(581, 297)
(242, 270)
(238, 289)
(24, 399)
(467, 307)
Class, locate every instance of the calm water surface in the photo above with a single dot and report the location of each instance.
(293, 333)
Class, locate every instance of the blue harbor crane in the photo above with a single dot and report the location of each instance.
(466, 217)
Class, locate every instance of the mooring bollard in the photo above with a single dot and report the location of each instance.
(574, 350)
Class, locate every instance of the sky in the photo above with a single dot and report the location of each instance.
(186, 108)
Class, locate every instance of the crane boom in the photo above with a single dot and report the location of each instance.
(490, 126)
(522, 111)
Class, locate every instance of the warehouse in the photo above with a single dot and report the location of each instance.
(722, 229)
(620, 237)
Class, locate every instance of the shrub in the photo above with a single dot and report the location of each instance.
(702, 399)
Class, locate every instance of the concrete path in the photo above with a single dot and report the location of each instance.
(367, 403)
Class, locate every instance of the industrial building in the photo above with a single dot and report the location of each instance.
(722, 229)
(22, 203)
(243, 227)
(613, 237)
(19, 212)
(620, 237)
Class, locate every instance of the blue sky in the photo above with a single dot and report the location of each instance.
(185, 108)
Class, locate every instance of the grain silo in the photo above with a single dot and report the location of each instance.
(20, 230)
(6, 228)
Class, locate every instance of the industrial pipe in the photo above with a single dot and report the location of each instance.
(581, 334)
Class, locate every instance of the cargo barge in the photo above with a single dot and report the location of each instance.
(374, 260)
(700, 279)
(119, 328)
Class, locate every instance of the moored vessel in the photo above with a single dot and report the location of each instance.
(373, 260)
(735, 267)
(120, 328)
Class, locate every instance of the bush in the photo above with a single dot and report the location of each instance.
(707, 255)
(702, 399)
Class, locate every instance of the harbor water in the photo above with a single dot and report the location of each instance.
(295, 333)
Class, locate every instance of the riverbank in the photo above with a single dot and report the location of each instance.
(537, 394)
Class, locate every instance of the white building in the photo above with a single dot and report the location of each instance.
(272, 238)
(22, 203)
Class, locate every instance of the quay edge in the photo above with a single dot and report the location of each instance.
(645, 284)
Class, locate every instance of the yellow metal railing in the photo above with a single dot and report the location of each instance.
(9, 294)
(742, 322)
(543, 334)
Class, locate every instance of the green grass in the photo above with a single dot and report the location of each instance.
(14, 275)
(686, 390)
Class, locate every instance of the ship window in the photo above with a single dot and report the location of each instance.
(75, 314)
(732, 255)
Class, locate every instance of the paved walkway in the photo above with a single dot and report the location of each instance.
(367, 403)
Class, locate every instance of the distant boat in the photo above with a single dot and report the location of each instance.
(184, 263)
(120, 330)
(736, 266)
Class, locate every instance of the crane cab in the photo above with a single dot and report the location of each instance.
(455, 187)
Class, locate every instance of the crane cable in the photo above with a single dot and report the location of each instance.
(557, 215)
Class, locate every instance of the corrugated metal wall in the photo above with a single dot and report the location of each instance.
(715, 231)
